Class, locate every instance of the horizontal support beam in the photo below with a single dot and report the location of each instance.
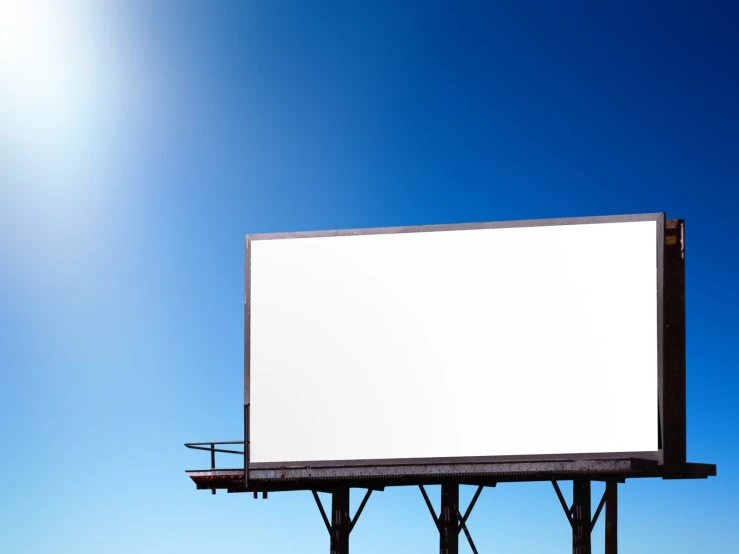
(292, 479)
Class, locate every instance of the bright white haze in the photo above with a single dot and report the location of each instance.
(494, 342)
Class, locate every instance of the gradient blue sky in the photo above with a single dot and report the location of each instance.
(140, 141)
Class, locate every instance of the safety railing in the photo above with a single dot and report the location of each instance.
(211, 447)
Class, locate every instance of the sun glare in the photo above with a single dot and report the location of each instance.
(58, 70)
(42, 71)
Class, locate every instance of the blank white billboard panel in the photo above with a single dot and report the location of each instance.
(485, 342)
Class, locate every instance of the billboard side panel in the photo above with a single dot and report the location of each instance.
(660, 331)
(674, 437)
(247, 355)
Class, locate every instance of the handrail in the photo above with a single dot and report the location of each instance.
(213, 442)
(211, 447)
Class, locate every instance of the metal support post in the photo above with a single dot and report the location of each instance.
(611, 518)
(212, 461)
(581, 523)
(451, 522)
(448, 522)
(578, 515)
(340, 521)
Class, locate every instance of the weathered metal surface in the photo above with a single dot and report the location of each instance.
(327, 479)
(581, 517)
(448, 531)
(340, 521)
(611, 518)
(673, 395)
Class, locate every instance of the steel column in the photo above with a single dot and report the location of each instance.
(611, 518)
(449, 520)
(340, 521)
(212, 461)
(581, 517)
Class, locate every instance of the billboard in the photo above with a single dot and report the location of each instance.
(475, 342)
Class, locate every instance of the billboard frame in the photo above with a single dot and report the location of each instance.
(670, 333)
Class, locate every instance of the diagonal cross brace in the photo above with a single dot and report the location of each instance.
(430, 507)
(597, 511)
(462, 520)
(359, 510)
(353, 520)
(323, 512)
(463, 527)
(568, 511)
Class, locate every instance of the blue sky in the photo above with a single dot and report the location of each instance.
(139, 143)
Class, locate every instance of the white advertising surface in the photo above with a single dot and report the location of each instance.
(488, 342)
